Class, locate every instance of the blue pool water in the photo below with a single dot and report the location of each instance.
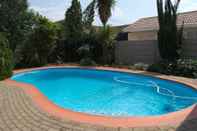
(109, 93)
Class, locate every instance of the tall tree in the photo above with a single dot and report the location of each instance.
(40, 43)
(73, 30)
(169, 36)
(73, 21)
(88, 15)
(105, 10)
(12, 20)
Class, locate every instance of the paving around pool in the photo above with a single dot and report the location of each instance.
(24, 108)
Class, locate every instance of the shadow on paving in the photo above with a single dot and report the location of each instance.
(190, 123)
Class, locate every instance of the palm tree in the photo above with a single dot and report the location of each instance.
(105, 10)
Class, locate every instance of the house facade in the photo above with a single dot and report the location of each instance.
(140, 43)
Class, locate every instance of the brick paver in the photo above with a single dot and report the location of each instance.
(19, 113)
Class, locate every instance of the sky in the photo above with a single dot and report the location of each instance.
(124, 12)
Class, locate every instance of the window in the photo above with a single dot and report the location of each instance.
(122, 36)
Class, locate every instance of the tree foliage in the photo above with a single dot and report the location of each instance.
(32, 37)
(73, 31)
(80, 32)
(6, 58)
(88, 16)
(13, 20)
(107, 40)
(105, 9)
(169, 36)
(73, 22)
(40, 43)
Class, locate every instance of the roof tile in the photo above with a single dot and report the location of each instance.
(151, 23)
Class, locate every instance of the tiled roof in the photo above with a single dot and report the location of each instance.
(151, 23)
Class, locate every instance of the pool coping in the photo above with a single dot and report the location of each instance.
(44, 104)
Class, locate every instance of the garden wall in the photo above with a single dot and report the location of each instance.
(131, 52)
(190, 49)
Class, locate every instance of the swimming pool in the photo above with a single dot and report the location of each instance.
(109, 93)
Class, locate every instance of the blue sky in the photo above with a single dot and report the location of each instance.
(125, 11)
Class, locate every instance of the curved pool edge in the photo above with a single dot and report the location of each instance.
(44, 104)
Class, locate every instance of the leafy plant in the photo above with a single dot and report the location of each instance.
(40, 43)
(6, 58)
(84, 51)
(107, 41)
(181, 67)
(160, 67)
(92, 40)
(169, 37)
(140, 66)
(87, 62)
(15, 21)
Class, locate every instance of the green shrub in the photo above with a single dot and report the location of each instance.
(95, 47)
(140, 66)
(14, 21)
(137, 66)
(87, 62)
(40, 43)
(160, 67)
(6, 59)
(84, 51)
(181, 67)
(107, 39)
(187, 68)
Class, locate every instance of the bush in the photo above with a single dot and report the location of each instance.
(140, 66)
(106, 38)
(6, 59)
(84, 51)
(40, 43)
(160, 67)
(181, 67)
(95, 47)
(87, 62)
(137, 66)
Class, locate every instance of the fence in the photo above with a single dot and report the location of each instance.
(131, 52)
